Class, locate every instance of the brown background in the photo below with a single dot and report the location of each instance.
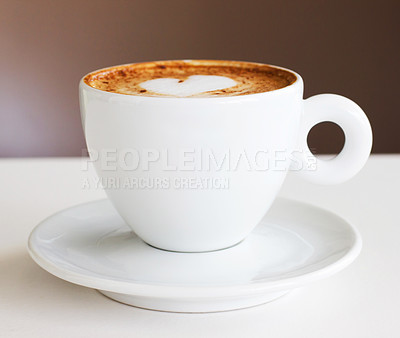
(345, 47)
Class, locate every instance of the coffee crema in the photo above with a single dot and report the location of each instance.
(191, 78)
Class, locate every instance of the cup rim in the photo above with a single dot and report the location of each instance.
(298, 82)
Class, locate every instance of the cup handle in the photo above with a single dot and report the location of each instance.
(358, 139)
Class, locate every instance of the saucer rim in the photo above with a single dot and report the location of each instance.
(212, 291)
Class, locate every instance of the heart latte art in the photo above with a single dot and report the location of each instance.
(195, 78)
(195, 84)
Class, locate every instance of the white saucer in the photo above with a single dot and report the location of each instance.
(294, 245)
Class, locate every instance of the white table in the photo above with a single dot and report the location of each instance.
(361, 301)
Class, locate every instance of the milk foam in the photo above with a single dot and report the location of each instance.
(197, 78)
(195, 84)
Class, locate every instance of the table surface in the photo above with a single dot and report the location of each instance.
(361, 301)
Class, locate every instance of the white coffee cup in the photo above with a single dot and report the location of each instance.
(198, 174)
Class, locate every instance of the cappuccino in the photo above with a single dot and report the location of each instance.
(191, 78)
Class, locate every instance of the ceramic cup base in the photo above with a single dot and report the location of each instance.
(294, 245)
